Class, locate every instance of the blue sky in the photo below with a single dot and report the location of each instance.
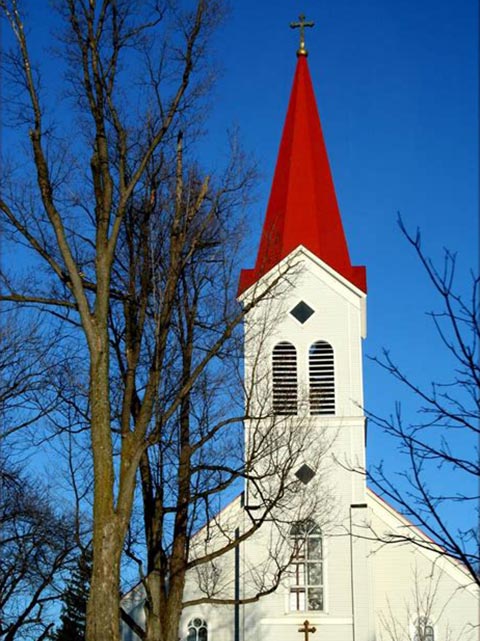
(397, 89)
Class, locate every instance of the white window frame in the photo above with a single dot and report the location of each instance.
(303, 585)
(202, 625)
(425, 623)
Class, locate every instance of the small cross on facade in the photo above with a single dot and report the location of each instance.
(301, 25)
(307, 629)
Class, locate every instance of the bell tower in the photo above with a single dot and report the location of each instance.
(303, 352)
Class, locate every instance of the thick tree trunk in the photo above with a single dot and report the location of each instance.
(171, 619)
(163, 611)
(103, 609)
(153, 630)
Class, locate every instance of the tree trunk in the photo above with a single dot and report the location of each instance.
(153, 630)
(163, 612)
(103, 609)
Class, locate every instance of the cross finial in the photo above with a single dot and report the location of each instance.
(306, 628)
(301, 25)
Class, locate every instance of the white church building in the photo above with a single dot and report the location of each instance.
(320, 558)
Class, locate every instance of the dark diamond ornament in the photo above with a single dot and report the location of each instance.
(302, 312)
(305, 474)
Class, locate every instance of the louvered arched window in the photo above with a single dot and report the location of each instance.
(321, 377)
(284, 379)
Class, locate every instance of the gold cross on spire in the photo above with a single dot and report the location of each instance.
(301, 25)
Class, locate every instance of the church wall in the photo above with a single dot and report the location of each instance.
(271, 620)
(270, 617)
(215, 579)
(219, 619)
(396, 572)
(410, 582)
(371, 591)
(337, 320)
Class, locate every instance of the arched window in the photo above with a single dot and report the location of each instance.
(197, 630)
(285, 383)
(306, 586)
(321, 378)
(423, 630)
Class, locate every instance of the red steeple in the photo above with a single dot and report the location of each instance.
(303, 209)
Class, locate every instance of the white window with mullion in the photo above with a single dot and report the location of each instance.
(306, 582)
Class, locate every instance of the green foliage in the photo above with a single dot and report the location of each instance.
(74, 611)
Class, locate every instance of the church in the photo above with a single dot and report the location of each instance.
(317, 567)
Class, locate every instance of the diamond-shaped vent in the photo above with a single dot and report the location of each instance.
(305, 474)
(302, 312)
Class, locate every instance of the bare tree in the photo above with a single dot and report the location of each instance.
(37, 546)
(38, 539)
(27, 369)
(68, 204)
(196, 436)
(445, 438)
(113, 218)
(421, 616)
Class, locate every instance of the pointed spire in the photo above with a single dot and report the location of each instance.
(303, 209)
